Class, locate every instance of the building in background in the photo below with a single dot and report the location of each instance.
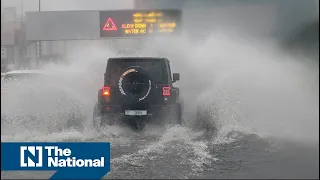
(9, 25)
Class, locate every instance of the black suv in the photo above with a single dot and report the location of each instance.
(137, 90)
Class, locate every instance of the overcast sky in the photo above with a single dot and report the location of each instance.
(54, 5)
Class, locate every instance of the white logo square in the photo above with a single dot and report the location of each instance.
(32, 153)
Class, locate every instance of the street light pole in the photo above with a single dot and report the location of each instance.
(21, 11)
(39, 5)
(21, 38)
(40, 44)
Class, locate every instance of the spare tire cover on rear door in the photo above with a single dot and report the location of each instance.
(135, 83)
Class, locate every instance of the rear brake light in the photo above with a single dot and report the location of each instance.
(106, 91)
(166, 91)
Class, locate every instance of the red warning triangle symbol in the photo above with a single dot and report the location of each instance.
(110, 26)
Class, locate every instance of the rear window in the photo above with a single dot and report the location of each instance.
(155, 68)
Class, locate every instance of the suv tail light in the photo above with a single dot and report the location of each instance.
(166, 91)
(106, 91)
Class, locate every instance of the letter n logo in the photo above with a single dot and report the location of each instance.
(31, 156)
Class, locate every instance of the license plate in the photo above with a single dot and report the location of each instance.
(135, 112)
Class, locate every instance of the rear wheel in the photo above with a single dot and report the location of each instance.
(176, 115)
(100, 120)
(180, 118)
(179, 114)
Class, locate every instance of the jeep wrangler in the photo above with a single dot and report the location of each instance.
(138, 90)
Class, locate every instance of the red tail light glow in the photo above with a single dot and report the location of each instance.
(166, 91)
(106, 91)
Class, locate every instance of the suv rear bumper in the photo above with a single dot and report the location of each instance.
(154, 110)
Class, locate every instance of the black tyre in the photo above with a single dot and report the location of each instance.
(179, 114)
(100, 120)
(175, 116)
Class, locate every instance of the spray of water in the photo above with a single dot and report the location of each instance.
(255, 87)
(247, 86)
(251, 84)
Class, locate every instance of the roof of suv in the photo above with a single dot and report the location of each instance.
(142, 58)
